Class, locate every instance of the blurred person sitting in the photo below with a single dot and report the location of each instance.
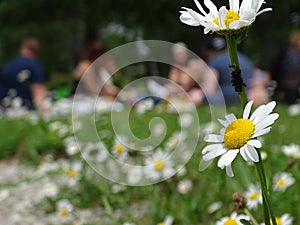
(285, 70)
(192, 74)
(24, 77)
(219, 61)
(97, 75)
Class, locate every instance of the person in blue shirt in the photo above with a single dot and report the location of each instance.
(24, 77)
(219, 61)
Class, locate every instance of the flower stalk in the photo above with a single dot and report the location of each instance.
(236, 75)
(239, 85)
(269, 216)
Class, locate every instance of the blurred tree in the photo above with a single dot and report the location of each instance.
(64, 26)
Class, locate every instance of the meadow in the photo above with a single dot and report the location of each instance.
(67, 170)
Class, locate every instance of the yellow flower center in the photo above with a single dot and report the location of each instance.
(230, 17)
(281, 183)
(254, 195)
(216, 21)
(278, 221)
(63, 212)
(119, 149)
(238, 133)
(73, 173)
(230, 222)
(159, 165)
(162, 223)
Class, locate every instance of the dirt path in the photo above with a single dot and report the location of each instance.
(20, 190)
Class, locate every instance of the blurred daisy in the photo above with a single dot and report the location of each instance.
(285, 219)
(282, 181)
(237, 17)
(119, 150)
(134, 175)
(184, 186)
(292, 150)
(64, 209)
(175, 139)
(4, 194)
(240, 135)
(233, 219)
(159, 166)
(144, 105)
(71, 146)
(74, 172)
(253, 196)
(50, 190)
(95, 151)
(185, 120)
(167, 221)
(213, 207)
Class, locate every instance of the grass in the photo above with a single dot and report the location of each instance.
(31, 141)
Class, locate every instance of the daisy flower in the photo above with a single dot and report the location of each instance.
(184, 186)
(282, 181)
(159, 166)
(167, 221)
(292, 150)
(233, 219)
(134, 175)
(240, 136)
(4, 194)
(213, 207)
(285, 219)
(64, 209)
(119, 150)
(253, 196)
(74, 173)
(236, 17)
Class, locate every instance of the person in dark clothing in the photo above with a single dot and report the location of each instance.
(285, 70)
(24, 77)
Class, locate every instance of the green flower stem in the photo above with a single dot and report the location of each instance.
(247, 212)
(233, 54)
(269, 216)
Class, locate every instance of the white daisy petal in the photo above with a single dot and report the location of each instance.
(212, 147)
(269, 120)
(186, 18)
(213, 154)
(259, 112)
(247, 110)
(255, 143)
(231, 117)
(237, 24)
(234, 5)
(252, 153)
(214, 138)
(229, 171)
(244, 154)
(227, 158)
(222, 15)
(211, 6)
(200, 7)
(261, 132)
(223, 122)
(264, 10)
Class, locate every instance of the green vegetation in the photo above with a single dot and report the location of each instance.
(31, 141)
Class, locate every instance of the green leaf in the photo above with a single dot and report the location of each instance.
(245, 222)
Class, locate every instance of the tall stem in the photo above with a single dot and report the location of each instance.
(233, 54)
(269, 216)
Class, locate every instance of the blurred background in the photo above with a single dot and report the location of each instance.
(65, 26)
